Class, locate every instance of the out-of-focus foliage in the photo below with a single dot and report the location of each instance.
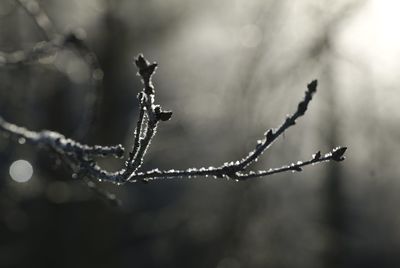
(241, 67)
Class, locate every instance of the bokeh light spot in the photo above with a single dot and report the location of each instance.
(21, 171)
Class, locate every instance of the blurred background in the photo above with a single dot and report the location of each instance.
(228, 70)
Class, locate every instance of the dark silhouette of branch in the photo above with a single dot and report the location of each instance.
(81, 158)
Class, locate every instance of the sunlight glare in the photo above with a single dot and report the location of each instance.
(373, 37)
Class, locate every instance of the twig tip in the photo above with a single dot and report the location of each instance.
(337, 153)
(312, 87)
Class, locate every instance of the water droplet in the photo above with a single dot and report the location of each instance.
(21, 140)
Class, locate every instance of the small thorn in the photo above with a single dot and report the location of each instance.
(317, 155)
(297, 168)
(269, 135)
(165, 115)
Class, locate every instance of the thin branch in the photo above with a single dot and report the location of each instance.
(81, 157)
(271, 135)
(153, 112)
(335, 155)
(58, 142)
(40, 17)
(138, 130)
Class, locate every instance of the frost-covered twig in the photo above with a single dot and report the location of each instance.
(81, 158)
(58, 143)
(271, 135)
(335, 155)
(153, 112)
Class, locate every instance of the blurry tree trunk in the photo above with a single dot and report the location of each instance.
(334, 209)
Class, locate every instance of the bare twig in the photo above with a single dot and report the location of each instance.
(271, 135)
(336, 155)
(152, 111)
(58, 142)
(81, 157)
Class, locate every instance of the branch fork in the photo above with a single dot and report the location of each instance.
(82, 158)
